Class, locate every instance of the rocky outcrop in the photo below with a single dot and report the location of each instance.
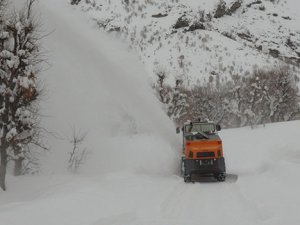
(182, 22)
(235, 6)
(75, 2)
(196, 26)
(254, 3)
(221, 9)
(159, 15)
(274, 52)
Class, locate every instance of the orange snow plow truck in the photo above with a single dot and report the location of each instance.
(202, 151)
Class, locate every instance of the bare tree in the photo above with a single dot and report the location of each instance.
(78, 154)
(3, 5)
(178, 104)
(262, 97)
(282, 94)
(162, 88)
(208, 102)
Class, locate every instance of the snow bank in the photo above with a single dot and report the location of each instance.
(254, 151)
(266, 159)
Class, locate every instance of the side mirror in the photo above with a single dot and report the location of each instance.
(177, 130)
(218, 127)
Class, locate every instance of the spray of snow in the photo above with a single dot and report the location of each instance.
(96, 86)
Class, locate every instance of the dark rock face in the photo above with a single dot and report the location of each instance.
(291, 44)
(221, 9)
(274, 52)
(254, 3)
(75, 2)
(159, 15)
(196, 26)
(286, 17)
(259, 48)
(262, 8)
(182, 22)
(114, 29)
(229, 35)
(292, 60)
(245, 36)
(235, 6)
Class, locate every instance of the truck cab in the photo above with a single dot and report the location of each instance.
(202, 151)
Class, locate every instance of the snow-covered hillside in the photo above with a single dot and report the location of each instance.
(131, 175)
(185, 39)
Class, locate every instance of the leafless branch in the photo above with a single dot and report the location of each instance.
(77, 154)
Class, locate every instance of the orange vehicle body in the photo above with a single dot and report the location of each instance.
(202, 151)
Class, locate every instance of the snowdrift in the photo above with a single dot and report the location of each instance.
(267, 160)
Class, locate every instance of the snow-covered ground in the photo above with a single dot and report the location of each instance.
(267, 161)
(131, 174)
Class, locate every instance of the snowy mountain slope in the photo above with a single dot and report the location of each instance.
(258, 34)
(131, 176)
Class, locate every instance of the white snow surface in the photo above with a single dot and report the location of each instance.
(131, 174)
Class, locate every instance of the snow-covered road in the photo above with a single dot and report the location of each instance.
(131, 176)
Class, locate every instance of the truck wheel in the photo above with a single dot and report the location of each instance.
(220, 177)
(182, 167)
(187, 179)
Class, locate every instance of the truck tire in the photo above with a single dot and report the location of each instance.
(182, 169)
(187, 179)
(220, 177)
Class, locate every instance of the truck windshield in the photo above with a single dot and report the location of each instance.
(200, 127)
